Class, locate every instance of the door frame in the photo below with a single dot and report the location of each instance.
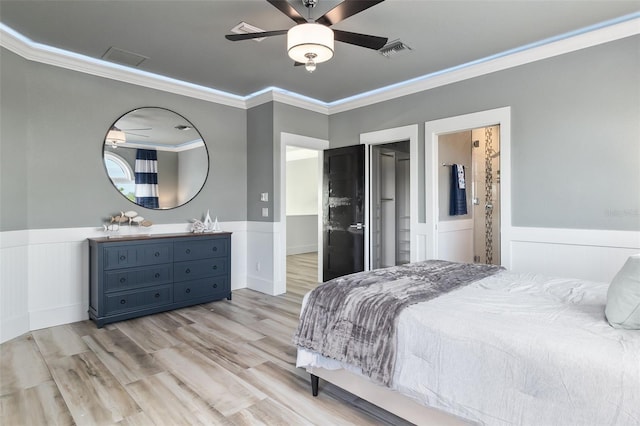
(307, 142)
(432, 130)
(396, 134)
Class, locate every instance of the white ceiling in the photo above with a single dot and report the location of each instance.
(184, 39)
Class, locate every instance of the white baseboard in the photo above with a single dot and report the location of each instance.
(302, 249)
(13, 327)
(261, 284)
(58, 315)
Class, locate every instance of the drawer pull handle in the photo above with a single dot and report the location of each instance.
(215, 286)
(122, 301)
(123, 280)
(157, 295)
(157, 275)
(215, 249)
(123, 257)
(188, 290)
(215, 266)
(156, 254)
(188, 251)
(187, 271)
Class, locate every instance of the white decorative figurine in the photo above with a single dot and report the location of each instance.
(208, 224)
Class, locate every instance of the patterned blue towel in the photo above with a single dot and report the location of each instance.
(458, 193)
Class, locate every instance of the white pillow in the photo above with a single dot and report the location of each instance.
(623, 296)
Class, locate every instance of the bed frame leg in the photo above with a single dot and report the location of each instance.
(314, 384)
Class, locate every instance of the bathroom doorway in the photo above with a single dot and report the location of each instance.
(469, 195)
(390, 204)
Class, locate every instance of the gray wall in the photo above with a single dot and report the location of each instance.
(259, 161)
(191, 163)
(13, 134)
(575, 141)
(297, 121)
(575, 135)
(265, 123)
(52, 171)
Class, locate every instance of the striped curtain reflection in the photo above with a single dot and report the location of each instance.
(146, 172)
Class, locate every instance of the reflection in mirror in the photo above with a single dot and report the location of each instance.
(155, 158)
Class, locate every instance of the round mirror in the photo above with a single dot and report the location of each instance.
(156, 158)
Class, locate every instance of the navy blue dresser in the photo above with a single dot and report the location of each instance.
(136, 276)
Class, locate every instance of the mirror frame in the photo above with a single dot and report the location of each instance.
(204, 143)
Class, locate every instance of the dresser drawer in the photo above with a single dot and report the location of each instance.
(137, 255)
(143, 275)
(183, 271)
(208, 287)
(125, 279)
(194, 250)
(133, 300)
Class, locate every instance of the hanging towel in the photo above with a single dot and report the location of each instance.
(458, 193)
(460, 174)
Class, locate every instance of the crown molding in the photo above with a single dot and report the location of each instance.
(37, 52)
(605, 32)
(276, 94)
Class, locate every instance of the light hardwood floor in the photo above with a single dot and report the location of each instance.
(226, 362)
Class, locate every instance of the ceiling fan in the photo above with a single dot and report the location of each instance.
(310, 43)
(116, 136)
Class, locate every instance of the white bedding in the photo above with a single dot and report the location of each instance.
(517, 349)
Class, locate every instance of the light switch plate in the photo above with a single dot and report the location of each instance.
(264, 196)
(265, 212)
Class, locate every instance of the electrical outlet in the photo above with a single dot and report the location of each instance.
(258, 266)
(265, 212)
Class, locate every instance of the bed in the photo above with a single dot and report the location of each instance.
(503, 349)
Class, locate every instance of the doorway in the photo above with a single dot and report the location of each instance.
(280, 228)
(469, 195)
(444, 237)
(390, 204)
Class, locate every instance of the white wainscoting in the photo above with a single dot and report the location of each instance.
(44, 273)
(594, 255)
(266, 258)
(302, 234)
(455, 240)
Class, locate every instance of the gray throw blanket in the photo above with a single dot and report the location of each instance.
(353, 318)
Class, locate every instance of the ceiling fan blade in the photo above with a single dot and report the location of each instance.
(344, 10)
(362, 40)
(286, 8)
(249, 36)
(137, 134)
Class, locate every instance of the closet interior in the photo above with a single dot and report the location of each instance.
(390, 221)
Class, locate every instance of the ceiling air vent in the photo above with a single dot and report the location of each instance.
(124, 57)
(244, 28)
(392, 48)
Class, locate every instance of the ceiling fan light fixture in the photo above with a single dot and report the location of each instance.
(310, 65)
(310, 38)
(115, 136)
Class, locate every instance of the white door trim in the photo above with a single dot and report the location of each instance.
(395, 134)
(433, 129)
(290, 139)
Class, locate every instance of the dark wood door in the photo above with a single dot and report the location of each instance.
(343, 211)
